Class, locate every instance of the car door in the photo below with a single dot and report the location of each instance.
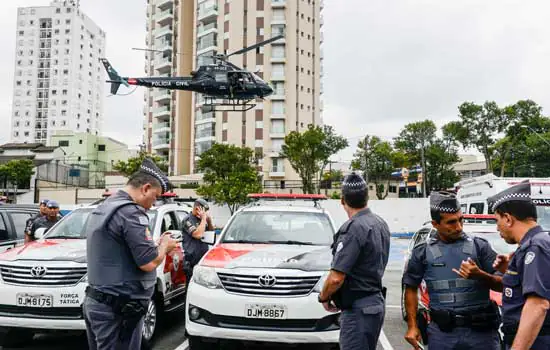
(8, 237)
(19, 221)
(175, 278)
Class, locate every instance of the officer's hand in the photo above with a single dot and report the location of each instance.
(469, 269)
(501, 262)
(168, 242)
(413, 337)
(200, 212)
(330, 307)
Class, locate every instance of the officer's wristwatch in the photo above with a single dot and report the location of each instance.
(320, 300)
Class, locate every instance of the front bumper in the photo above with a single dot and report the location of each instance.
(221, 316)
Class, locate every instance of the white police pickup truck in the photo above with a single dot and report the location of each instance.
(42, 283)
(261, 280)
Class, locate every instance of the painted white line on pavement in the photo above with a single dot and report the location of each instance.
(183, 346)
(384, 341)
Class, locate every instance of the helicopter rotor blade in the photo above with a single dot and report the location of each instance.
(252, 47)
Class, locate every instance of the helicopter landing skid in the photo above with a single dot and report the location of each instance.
(214, 104)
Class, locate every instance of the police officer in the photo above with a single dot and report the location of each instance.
(41, 213)
(122, 261)
(47, 221)
(458, 271)
(354, 284)
(193, 227)
(526, 280)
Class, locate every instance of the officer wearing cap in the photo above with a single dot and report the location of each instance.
(458, 271)
(41, 213)
(526, 279)
(354, 284)
(47, 221)
(122, 261)
(193, 228)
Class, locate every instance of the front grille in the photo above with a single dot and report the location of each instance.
(66, 313)
(54, 276)
(284, 285)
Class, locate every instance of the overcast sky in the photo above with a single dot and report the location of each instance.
(386, 63)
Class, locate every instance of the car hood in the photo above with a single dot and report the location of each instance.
(281, 256)
(47, 250)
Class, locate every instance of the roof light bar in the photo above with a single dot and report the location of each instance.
(298, 196)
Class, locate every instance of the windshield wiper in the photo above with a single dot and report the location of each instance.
(292, 242)
(245, 241)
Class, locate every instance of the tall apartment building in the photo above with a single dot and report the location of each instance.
(293, 65)
(168, 114)
(58, 82)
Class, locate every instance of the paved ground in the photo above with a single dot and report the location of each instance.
(171, 336)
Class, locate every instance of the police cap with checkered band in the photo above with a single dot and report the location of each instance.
(520, 192)
(149, 167)
(353, 183)
(444, 202)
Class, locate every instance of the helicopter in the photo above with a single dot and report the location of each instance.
(225, 86)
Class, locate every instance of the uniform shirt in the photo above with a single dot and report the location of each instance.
(528, 274)
(132, 224)
(416, 265)
(31, 220)
(41, 222)
(193, 248)
(361, 251)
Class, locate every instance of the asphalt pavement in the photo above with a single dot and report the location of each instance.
(171, 333)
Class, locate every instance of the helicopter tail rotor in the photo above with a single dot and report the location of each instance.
(115, 79)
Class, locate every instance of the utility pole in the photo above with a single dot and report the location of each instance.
(424, 177)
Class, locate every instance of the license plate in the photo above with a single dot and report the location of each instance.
(34, 300)
(265, 311)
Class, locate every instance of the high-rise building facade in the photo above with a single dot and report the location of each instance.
(58, 82)
(292, 65)
(168, 113)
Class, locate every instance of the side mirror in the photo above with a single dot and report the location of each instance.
(39, 233)
(209, 237)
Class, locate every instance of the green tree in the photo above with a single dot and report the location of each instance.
(480, 125)
(132, 165)
(309, 152)
(229, 175)
(18, 172)
(333, 175)
(440, 158)
(414, 140)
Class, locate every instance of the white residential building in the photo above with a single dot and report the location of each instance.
(58, 82)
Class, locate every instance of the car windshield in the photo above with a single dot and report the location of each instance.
(73, 225)
(543, 216)
(279, 227)
(498, 243)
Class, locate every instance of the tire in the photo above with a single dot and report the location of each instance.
(199, 343)
(403, 308)
(16, 336)
(150, 325)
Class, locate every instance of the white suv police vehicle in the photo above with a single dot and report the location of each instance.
(42, 283)
(261, 280)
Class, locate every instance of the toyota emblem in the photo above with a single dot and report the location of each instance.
(38, 271)
(267, 280)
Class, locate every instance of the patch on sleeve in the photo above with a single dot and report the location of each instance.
(144, 220)
(529, 257)
(508, 292)
(148, 234)
(339, 247)
(190, 227)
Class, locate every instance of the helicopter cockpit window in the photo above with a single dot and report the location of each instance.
(255, 77)
(221, 77)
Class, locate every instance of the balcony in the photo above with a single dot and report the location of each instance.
(278, 171)
(322, 37)
(322, 21)
(321, 4)
(163, 31)
(164, 46)
(165, 17)
(204, 118)
(162, 113)
(278, 20)
(277, 134)
(207, 29)
(162, 96)
(276, 76)
(161, 128)
(277, 115)
(164, 4)
(206, 45)
(207, 14)
(278, 95)
(161, 143)
(163, 64)
(278, 3)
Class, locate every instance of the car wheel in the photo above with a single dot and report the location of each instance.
(150, 322)
(200, 343)
(403, 307)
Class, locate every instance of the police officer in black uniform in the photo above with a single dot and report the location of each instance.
(354, 284)
(28, 225)
(193, 227)
(46, 221)
(458, 271)
(122, 261)
(526, 280)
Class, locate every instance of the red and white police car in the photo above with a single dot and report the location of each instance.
(42, 283)
(261, 280)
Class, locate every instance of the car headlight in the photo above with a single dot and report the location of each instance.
(319, 286)
(206, 277)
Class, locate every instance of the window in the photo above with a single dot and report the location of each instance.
(101, 148)
(20, 222)
(63, 143)
(278, 51)
(259, 124)
(277, 107)
(169, 222)
(476, 208)
(278, 126)
(277, 145)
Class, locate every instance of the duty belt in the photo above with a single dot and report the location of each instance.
(483, 319)
(510, 330)
(121, 304)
